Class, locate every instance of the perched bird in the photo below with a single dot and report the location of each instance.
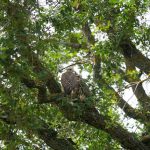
(74, 85)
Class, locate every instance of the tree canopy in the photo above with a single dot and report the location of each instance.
(106, 40)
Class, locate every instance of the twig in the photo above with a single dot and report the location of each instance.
(137, 84)
(77, 63)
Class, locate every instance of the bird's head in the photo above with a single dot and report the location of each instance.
(70, 69)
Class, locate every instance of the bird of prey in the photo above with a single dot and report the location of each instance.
(74, 85)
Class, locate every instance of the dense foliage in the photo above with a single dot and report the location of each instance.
(107, 40)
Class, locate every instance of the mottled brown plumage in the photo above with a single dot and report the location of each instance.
(74, 85)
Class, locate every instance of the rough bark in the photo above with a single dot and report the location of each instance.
(46, 133)
(92, 117)
(49, 135)
(127, 140)
(132, 54)
(137, 87)
(133, 59)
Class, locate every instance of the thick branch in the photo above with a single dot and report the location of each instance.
(92, 117)
(129, 111)
(46, 133)
(42, 94)
(133, 55)
(138, 89)
(127, 140)
(88, 34)
(49, 135)
(47, 77)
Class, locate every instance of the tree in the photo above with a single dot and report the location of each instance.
(36, 41)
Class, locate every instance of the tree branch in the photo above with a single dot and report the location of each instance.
(49, 135)
(88, 34)
(132, 54)
(138, 89)
(92, 117)
(47, 77)
(129, 111)
(46, 133)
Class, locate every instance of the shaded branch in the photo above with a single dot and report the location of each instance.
(49, 135)
(97, 70)
(47, 77)
(42, 96)
(127, 140)
(88, 34)
(138, 89)
(132, 54)
(92, 117)
(46, 133)
(129, 111)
